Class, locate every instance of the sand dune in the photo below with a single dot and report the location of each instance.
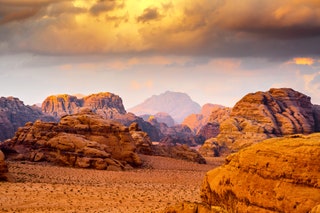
(46, 188)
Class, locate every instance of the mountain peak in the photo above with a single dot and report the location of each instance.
(177, 104)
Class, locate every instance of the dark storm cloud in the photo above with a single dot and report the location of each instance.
(148, 14)
(105, 5)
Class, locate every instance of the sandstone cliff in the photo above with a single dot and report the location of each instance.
(105, 104)
(14, 114)
(276, 175)
(161, 117)
(81, 140)
(261, 115)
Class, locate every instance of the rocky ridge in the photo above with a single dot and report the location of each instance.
(261, 115)
(84, 140)
(276, 175)
(14, 114)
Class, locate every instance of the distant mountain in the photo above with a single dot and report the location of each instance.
(178, 105)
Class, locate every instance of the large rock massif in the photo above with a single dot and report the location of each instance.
(276, 175)
(14, 114)
(178, 105)
(83, 140)
(105, 104)
(261, 115)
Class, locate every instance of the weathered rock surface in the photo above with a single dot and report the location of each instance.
(105, 104)
(196, 121)
(277, 175)
(14, 114)
(3, 167)
(142, 141)
(178, 105)
(188, 207)
(261, 115)
(83, 140)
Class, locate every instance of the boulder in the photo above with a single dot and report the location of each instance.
(83, 140)
(277, 175)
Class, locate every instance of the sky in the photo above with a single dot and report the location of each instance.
(216, 51)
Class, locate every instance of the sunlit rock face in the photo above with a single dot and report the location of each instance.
(83, 140)
(276, 175)
(105, 104)
(261, 115)
(14, 114)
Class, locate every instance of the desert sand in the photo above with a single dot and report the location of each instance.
(40, 187)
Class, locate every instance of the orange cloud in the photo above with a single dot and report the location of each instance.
(303, 61)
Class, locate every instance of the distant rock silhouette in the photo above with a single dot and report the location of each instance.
(178, 105)
(14, 114)
(161, 117)
(261, 115)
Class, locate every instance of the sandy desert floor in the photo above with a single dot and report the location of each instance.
(44, 188)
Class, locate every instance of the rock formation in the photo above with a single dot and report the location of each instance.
(182, 152)
(177, 105)
(161, 117)
(83, 140)
(196, 121)
(261, 115)
(14, 114)
(105, 104)
(276, 175)
(3, 167)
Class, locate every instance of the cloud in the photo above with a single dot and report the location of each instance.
(281, 29)
(303, 61)
(149, 14)
(105, 6)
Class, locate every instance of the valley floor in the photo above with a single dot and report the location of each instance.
(44, 188)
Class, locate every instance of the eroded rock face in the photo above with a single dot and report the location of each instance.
(105, 104)
(3, 167)
(277, 175)
(83, 140)
(262, 115)
(14, 114)
(210, 113)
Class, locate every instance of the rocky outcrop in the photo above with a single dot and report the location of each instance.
(83, 140)
(14, 114)
(161, 117)
(142, 140)
(261, 115)
(178, 105)
(209, 114)
(182, 152)
(3, 167)
(105, 104)
(277, 175)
